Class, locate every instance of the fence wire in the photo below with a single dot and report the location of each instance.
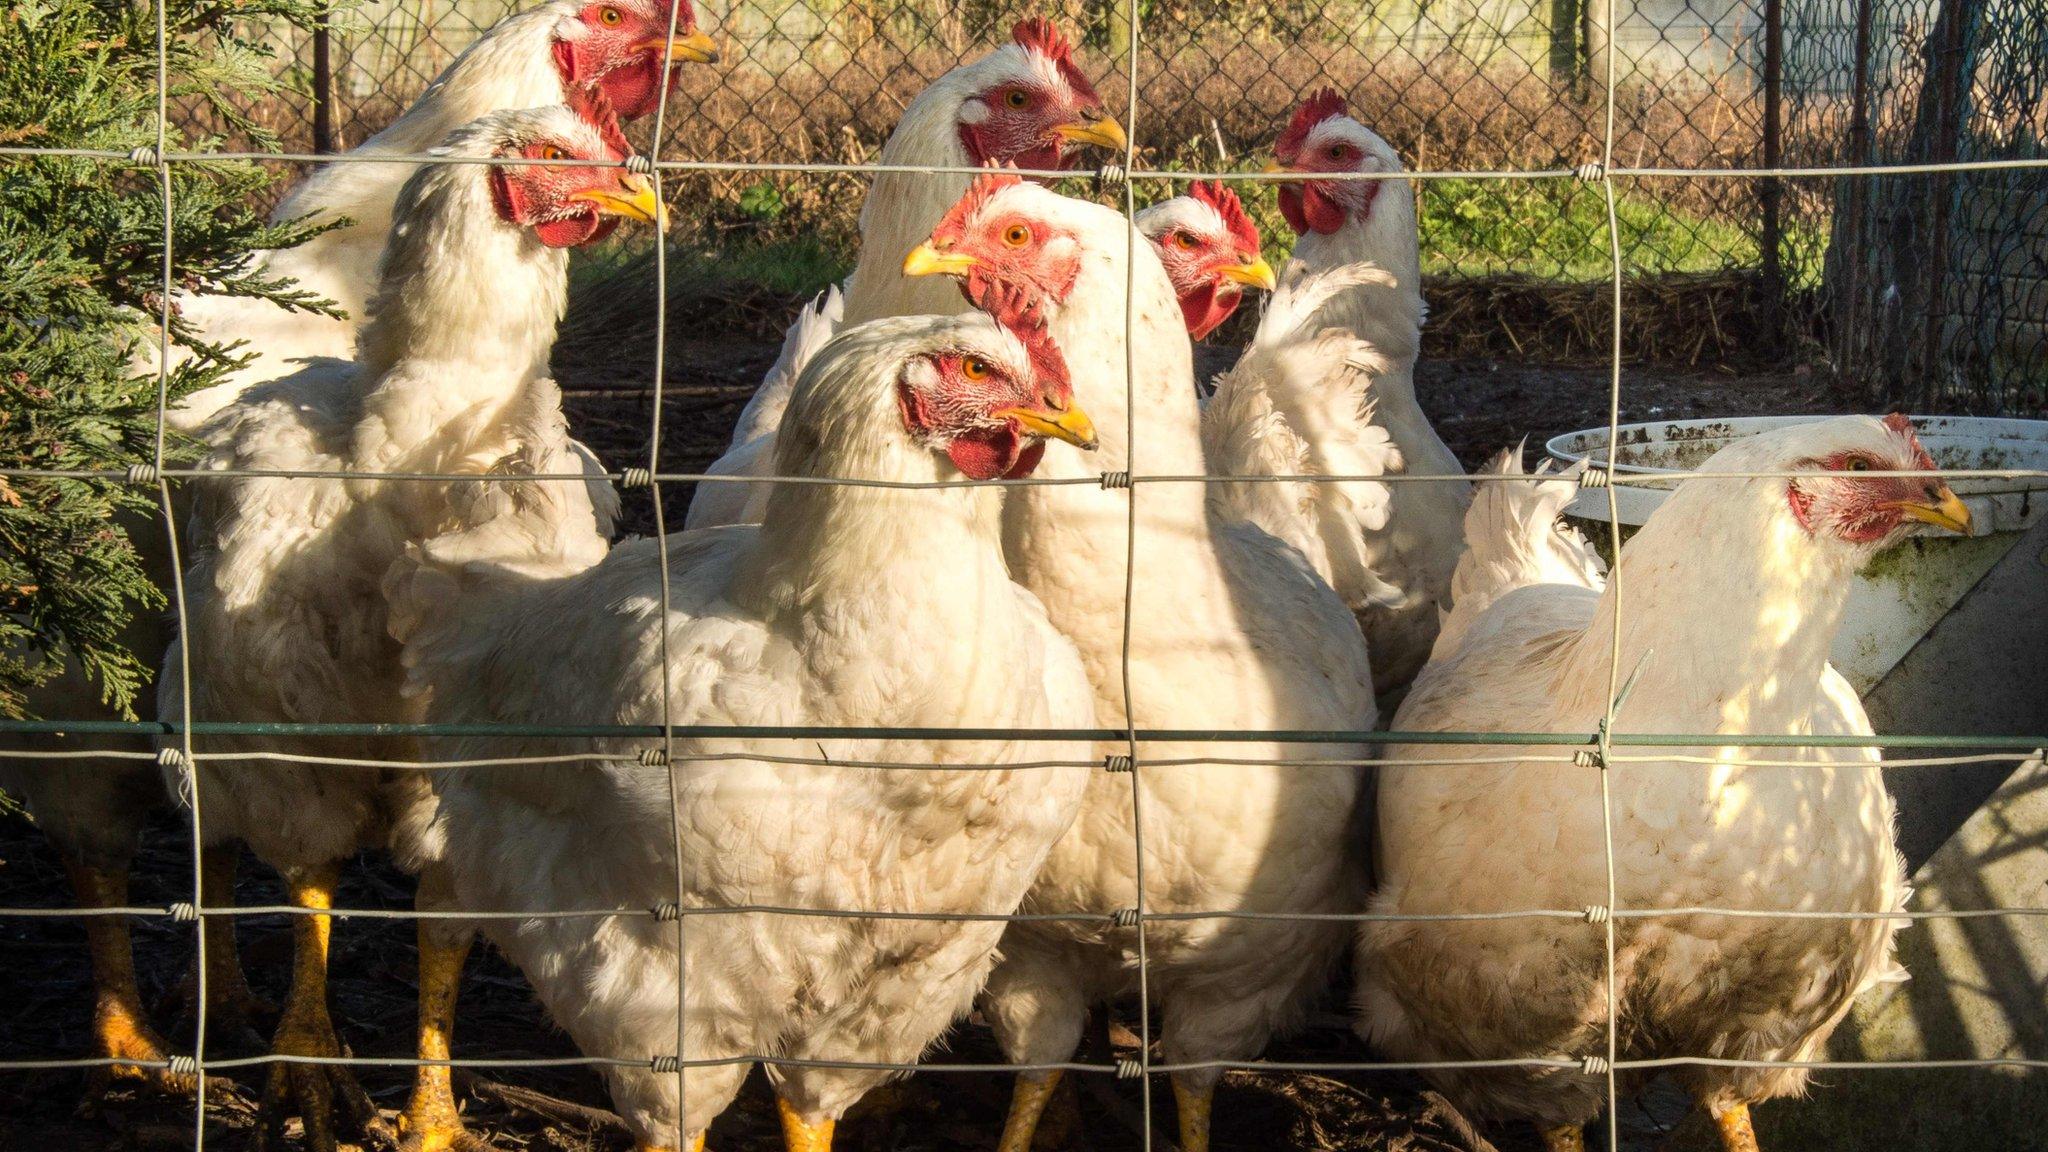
(1592, 61)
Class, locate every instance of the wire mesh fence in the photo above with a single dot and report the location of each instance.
(1580, 104)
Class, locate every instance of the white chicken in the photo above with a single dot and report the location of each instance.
(285, 619)
(92, 812)
(825, 614)
(1228, 629)
(1021, 104)
(539, 57)
(1207, 244)
(1329, 388)
(1732, 593)
(1210, 250)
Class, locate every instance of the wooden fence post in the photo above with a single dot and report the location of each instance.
(323, 85)
(1771, 193)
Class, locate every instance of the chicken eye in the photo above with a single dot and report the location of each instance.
(551, 153)
(1336, 151)
(1016, 98)
(610, 17)
(974, 368)
(1857, 464)
(1186, 240)
(1016, 235)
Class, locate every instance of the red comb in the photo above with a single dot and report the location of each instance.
(1219, 197)
(953, 224)
(1313, 111)
(1045, 38)
(591, 104)
(1902, 425)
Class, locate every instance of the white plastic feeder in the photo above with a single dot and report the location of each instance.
(1908, 589)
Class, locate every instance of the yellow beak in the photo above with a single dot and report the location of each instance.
(1257, 274)
(1275, 168)
(1069, 424)
(927, 260)
(636, 202)
(691, 48)
(1103, 133)
(1946, 512)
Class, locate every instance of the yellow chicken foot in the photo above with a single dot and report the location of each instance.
(431, 1121)
(1191, 1100)
(1027, 1104)
(801, 1135)
(119, 1025)
(1738, 1134)
(312, 1090)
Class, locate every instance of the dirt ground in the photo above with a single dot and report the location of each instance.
(1479, 406)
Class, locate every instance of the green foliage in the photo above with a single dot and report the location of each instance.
(81, 273)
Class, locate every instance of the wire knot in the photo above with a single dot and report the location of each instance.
(1117, 762)
(1591, 477)
(1124, 917)
(141, 474)
(1116, 480)
(1110, 176)
(182, 1065)
(665, 1065)
(654, 757)
(1592, 171)
(1594, 1065)
(168, 757)
(639, 165)
(1129, 1069)
(1588, 758)
(146, 156)
(184, 913)
(636, 478)
(668, 912)
(1598, 913)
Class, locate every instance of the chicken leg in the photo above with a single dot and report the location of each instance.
(119, 1025)
(1027, 1104)
(230, 1002)
(1738, 1134)
(1192, 1094)
(431, 1122)
(307, 1030)
(801, 1135)
(1565, 1138)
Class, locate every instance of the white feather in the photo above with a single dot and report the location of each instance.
(1229, 629)
(1730, 607)
(828, 613)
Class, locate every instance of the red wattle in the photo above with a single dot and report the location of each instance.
(634, 89)
(985, 453)
(574, 231)
(1324, 214)
(1207, 307)
(1290, 208)
(1027, 461)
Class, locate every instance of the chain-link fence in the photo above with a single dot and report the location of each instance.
(1939, 288)
(1473, 85)
(1567, 109)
